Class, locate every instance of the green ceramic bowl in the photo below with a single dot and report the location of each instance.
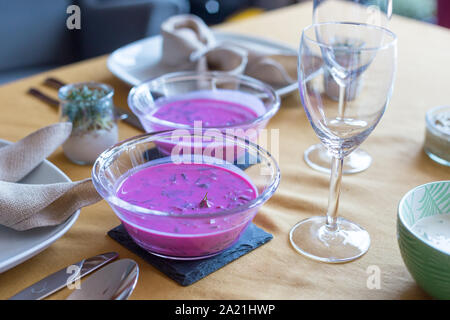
(428, 264)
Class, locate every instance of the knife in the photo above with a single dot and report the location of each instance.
(60, 279)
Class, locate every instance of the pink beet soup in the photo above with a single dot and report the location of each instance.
(186, 190)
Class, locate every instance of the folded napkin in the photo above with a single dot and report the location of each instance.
(27, 206)
(188, 42)
(183, 35)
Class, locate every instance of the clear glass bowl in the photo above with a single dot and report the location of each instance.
(146, 98)
(437, 135)
(157, 231)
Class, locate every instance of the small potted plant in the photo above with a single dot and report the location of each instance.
(90, 109)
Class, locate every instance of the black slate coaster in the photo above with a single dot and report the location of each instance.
(188, 272)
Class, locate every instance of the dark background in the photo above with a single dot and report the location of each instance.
(35, 38)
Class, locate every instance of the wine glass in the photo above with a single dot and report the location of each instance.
(344, 124)
(376, 12)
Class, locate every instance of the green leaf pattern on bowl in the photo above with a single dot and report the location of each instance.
(429, 266)
(427, 201)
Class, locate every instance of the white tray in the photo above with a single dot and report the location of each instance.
(139, 61)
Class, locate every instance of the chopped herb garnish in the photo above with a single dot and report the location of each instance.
(205, 203)
(86, 109)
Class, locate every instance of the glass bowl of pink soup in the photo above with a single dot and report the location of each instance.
(192, 203)
(236, 104)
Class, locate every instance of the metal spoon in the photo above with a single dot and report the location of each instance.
(116, 281)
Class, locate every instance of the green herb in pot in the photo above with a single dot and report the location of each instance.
(88, 109)
(89, 106)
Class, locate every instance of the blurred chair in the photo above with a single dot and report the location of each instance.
(109, 24)
(34, 36)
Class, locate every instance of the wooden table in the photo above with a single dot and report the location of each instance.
(274, 271)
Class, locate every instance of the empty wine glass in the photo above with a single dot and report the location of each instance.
(344, 124)
(375, 12)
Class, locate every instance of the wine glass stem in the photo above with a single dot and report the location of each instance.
(335, 190)
(341, 107)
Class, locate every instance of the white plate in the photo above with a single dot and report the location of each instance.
(19, 246)
(139, 61)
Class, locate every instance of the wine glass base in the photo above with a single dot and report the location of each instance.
(311, 238)
(318, 158)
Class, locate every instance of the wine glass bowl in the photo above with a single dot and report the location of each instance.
(374, 12)
(342, 124)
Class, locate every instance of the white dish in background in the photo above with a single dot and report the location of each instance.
(19, 246)
(138, 61)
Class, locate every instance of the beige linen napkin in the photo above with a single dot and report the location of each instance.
(229, 59)
(188, 40)
(27, 206)
(183, 35)
(275, 69)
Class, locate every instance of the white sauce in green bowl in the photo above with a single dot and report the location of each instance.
(435, 230)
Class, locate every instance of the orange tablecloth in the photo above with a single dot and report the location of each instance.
(274, 270)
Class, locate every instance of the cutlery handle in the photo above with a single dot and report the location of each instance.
(54, 83)
(43, 97)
